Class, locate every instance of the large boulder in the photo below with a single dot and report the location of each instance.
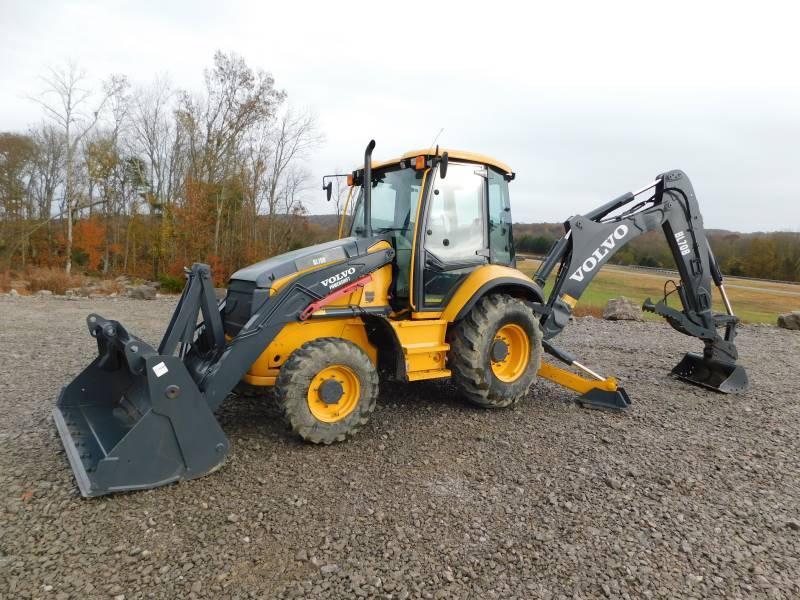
(790, 320)
(622, 309)
(141, 292)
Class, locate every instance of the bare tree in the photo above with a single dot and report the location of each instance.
(257, 157)
(66, 102)
(295, 185)
(16, 155)
(339, 194)
(294, 136)
(155, 137)
(48, 166)
(236, 100)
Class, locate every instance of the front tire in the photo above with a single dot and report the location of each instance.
(496, 351)
(327, 390)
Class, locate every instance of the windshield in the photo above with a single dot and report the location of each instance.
(395, 194)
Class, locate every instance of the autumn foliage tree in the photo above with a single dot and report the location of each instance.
(146, 180)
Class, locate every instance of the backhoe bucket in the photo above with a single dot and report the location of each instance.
(134, 419)
(723, 377)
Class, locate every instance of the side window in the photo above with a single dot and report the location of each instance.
(384, 205)
(357, 219)
(454, 230)
(384, 209)
(501, 242)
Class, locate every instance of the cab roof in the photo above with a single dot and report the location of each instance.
(454, 154)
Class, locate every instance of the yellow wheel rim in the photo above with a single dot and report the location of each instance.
(510, 352)
(342, 388)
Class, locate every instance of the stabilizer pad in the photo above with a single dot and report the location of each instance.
(605, 399)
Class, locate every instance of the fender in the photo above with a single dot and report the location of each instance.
(490, 279)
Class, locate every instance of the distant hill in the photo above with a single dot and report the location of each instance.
(324, 220)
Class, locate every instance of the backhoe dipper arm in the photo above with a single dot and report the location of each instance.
(592, 239)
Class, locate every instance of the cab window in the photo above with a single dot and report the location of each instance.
(455, 217)
(395, 196)
(454, 232)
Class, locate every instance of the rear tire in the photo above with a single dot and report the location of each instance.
(496, 351)
(327, 390)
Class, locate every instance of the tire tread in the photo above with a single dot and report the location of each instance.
(295, 376)
(470, 341)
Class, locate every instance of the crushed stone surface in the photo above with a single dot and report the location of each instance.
(691, 494)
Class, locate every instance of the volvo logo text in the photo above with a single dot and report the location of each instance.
(596, 258)
(339, 279)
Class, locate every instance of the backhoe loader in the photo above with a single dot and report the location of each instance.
(422, 284)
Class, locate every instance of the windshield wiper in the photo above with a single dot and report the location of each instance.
(388, 229)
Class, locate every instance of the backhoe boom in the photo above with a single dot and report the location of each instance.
(592, 239)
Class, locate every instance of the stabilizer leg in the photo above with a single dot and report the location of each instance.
(600, 394)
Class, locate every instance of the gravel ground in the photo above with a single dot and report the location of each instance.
(690, 494)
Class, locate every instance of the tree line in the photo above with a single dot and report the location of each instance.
(146, 179)
(773, 255)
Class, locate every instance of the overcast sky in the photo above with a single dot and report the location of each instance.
(584, 100)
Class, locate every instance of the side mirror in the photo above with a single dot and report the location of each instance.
(443, 166)
(328, 189)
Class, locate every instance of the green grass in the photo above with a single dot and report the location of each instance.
(753, 301)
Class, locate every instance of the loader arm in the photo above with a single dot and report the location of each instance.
(140, 417)
(592, 239)
(218, 369)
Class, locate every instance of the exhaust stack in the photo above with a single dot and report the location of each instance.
(367, 187)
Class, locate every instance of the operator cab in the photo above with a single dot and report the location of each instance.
(463, 201)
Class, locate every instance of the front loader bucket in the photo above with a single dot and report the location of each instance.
(723, 377)
(134, 419)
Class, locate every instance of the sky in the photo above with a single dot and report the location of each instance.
(585, 101)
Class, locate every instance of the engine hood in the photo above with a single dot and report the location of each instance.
(263, 273)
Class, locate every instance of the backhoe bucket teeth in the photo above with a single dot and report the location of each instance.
(723, 377)
(134, 419)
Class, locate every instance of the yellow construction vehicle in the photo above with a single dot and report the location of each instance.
(422, 284)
